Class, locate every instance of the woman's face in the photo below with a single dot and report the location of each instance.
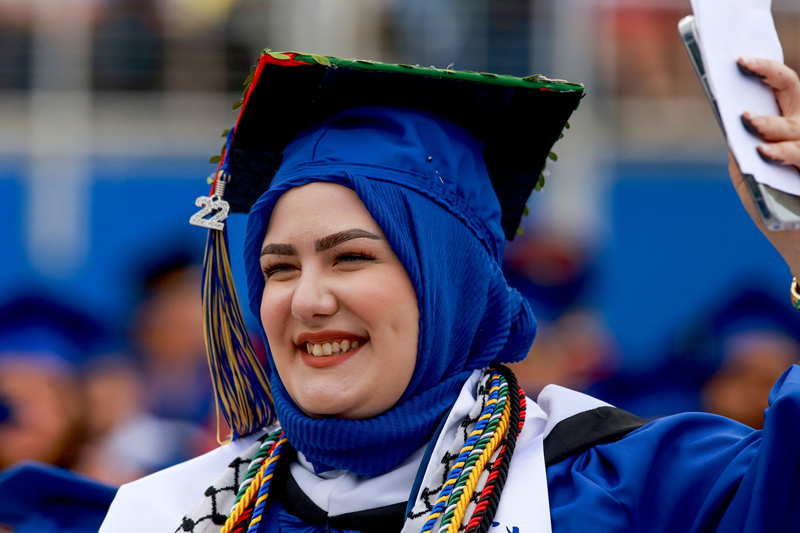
(339, 309)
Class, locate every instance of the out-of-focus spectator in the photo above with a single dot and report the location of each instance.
(154, 408)
(125, 442)
(27, 26)
(43, 345)
(194, 53)
(724, 362)
(247, 32)
(575, 351)
(166, 335)
(755, 340)
(196, 16)
(128, 46)
(15, 44)
(549, 269)
(645, 49)
(573, 347)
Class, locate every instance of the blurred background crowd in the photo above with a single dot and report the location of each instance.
(652, 288)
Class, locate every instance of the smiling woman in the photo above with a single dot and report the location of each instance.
(379, 202)
(339, 311)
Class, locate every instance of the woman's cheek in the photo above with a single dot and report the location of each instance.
(269, 318)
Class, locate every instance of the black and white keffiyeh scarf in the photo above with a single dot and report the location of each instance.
(463, 480)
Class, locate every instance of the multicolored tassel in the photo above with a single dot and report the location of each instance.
(240, 382)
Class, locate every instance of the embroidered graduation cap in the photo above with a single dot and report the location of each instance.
(515, 120)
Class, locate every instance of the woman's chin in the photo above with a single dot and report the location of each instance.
(322, 406)
(335, 408)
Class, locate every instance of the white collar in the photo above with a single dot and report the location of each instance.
(338, 492)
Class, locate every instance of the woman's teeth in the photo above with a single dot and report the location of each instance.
(330, 348)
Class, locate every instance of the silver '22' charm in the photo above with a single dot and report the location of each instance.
(210, 204)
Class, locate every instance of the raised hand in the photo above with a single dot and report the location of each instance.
(781, 146)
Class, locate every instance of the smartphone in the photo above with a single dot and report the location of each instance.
(780, 210)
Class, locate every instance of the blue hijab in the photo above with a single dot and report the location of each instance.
(424, 181)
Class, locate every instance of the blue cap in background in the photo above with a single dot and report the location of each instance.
(38, 498)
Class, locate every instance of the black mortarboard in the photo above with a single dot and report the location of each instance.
(518, 119)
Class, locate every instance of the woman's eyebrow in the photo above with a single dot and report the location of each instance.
(320, 245)
(335, 239)
(279, 249)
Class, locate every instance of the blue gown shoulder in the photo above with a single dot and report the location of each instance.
(688, 472)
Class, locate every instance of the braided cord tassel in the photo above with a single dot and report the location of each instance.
(474, 456)
(242, 510)
(240, 383)
(483, 503)
(242, 522)
(263, 492)
(470, 443)
(486, 446)
(469, 488)
(486, 508)
(258, 459)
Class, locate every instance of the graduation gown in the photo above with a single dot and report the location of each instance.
(580, 465)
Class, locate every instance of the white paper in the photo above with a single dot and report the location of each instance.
(728, 30)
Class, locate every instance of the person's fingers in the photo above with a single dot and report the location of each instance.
(772, 128)
(781, 78)
(785, 153)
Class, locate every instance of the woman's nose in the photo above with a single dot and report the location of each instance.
(312, 298)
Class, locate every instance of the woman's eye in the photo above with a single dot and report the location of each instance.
(353, 257)
(271, 270)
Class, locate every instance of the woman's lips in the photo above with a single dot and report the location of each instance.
(326, 348)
